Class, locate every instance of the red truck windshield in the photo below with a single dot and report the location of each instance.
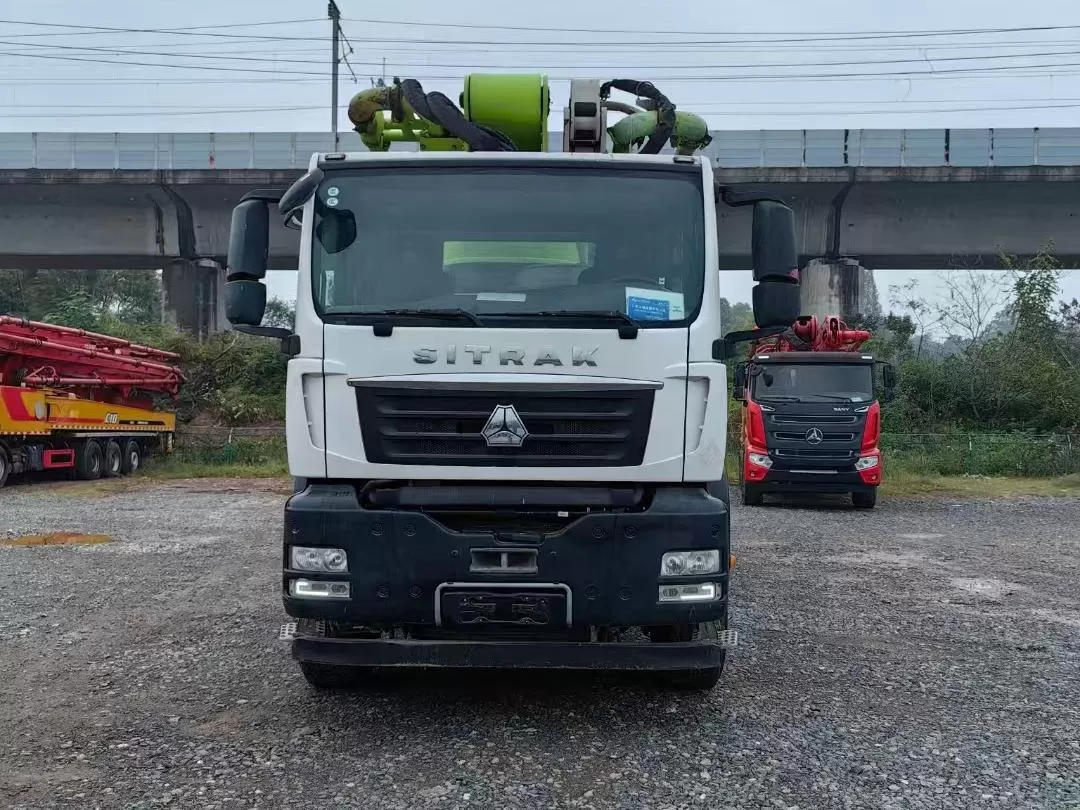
(793, 382)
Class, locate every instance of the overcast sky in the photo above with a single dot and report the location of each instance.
(742, 64)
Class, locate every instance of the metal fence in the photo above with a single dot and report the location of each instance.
(729, 149)
(991, 454)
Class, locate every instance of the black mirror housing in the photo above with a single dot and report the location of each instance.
(300, 192)
(245, 302)
(773, 252)
(249, 240)
(738, 387)
(888, 376)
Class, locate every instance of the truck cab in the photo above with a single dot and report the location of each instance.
(506, 405)
(811, 424)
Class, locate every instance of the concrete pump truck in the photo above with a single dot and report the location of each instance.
(811, 416)
(507, 400)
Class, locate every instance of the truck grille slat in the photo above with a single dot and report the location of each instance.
(415, 426)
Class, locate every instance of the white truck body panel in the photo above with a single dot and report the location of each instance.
(687, 435)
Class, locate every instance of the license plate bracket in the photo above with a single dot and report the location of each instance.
(509, 606)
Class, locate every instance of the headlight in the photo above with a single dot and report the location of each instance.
(305, 588)
(306, 558)
(703, 592)
(866, 463)
(759, 459)
(690, 563)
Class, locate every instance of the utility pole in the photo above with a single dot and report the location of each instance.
(335, 21)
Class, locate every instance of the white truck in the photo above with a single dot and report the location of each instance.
(506, 398)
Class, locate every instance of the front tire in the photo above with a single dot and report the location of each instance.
(864, 500)
(752, 495)
(326, 676)
(697, 680)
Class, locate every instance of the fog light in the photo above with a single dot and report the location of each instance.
(759, 459)
(699, 592)
(307, 558)
(308, 589)
(866, 463)
(690, 563)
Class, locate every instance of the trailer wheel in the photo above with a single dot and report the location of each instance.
(5, 466)
(864, 500)
(752, 496)
(131, 458)
(89, 461)
(113, 459)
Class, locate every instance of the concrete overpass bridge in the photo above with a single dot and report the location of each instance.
(882, 199)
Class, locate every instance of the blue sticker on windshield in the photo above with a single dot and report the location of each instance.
(648, 309)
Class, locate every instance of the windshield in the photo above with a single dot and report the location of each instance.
(510, 241)
(848, 382)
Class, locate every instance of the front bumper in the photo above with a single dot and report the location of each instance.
(607, 563)
(830, 481)
(471, 654)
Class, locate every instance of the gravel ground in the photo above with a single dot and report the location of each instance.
(924, 655)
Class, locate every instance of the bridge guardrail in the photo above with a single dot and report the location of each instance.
(729, 149)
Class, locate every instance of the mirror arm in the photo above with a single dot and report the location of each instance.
(264, 331)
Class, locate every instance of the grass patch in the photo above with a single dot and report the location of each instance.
(905, 483)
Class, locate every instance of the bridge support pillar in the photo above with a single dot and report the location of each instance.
(837, 287)
(194, 296)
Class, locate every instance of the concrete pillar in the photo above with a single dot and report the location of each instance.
(194, 296)
(837, 287)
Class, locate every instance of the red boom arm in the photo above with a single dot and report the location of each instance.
(97, 366)
(809, 335)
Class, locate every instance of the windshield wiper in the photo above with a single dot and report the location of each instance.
(460, 314)
(386, 328)
(778, 398)
(628, 327)
(833, 397)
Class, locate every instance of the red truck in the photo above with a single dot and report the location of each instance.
(811, 415)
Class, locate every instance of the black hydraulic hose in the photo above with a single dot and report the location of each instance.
(665, 110)
(438, 109)
(414, 95)
(479, 138)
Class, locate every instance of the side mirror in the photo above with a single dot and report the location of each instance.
(888, 377)
(249, 239)
(776, 297)
(245, 302)
(723, 349)
(300, 192)
(772, 250)
(738, 387)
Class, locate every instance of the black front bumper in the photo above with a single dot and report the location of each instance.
(600, 656)
(608, 563)
(839, 481)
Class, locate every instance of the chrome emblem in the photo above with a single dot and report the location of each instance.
(813, 436)
(504, 428)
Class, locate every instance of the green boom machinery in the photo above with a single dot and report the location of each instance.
(509, 112)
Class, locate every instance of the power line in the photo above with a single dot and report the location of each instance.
(85, 30)
(654, 32)
(761, 37)
(998, 69)
(475, 66)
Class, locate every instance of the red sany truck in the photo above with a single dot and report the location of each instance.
(77, 401)
(811, 416)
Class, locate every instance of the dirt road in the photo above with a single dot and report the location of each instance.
(924, 655)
